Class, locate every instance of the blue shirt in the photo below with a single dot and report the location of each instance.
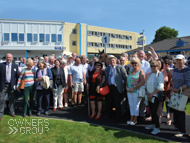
(21, 64)
(77, 73)
(112, 74)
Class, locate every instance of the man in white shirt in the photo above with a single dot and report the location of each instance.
(145, 66)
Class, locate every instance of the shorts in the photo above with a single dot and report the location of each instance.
(78, 87)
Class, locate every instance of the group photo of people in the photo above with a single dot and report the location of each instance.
(136, 86)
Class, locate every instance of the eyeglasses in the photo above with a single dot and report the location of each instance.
(153, 66)
(174, 63)
(121, 60)
(98, 65)
(134, 63)
(166, 63)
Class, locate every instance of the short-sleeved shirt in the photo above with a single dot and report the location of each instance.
(77, 73)
(145, 66)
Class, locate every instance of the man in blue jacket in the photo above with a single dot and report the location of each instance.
(8, 79)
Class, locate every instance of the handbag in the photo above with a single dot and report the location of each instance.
(187, 90)
(178, 101)
(141, 91)
(161, 96)
(22, 83)
(67, 89)
(104, 90)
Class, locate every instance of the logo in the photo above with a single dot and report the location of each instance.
(32, 126)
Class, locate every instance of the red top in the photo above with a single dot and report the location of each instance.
(94, 76)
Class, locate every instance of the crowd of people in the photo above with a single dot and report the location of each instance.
(73, 81)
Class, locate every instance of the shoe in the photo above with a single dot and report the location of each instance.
(54, 109)
(46, 113)
(169, 122)
(179, 134)
(98, 117)
(132, 124)
(13, 115)
(155, 131)
(24, 115)
(174, 129)
(92, 116)
(128, 122)
(75, 105)
(30, 114)
(117, 119)
(61, 108)
(66, 105)
(149, 127)
(38, 114)
(107, 116)
(148, 119)
(80, 105)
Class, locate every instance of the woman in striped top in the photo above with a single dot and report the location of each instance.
(28, 75)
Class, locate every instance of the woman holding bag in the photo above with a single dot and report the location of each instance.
(28, 76)
(58, 84)
(40, 92)
(154, 84)
(96, 80)
(134, 81)
(181, 79)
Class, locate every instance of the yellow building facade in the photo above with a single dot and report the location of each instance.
(85, 39)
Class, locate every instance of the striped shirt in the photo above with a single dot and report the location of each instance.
(28, 76)
(181, 77)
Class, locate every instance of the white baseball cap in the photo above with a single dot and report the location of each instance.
(149, 52)
(112, 56)
(180, 57)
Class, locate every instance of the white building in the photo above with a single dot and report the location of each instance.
(29, 38)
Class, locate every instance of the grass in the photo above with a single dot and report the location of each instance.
(187, 111)
(66, 131)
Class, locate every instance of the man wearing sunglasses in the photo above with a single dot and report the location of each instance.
(116, 77)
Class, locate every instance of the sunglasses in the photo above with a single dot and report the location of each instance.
(121, 60)
(166, 63)
(153, 66)
(134, 63)
(98, 65)
(174, 63)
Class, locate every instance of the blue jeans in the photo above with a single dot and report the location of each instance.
(39, 97)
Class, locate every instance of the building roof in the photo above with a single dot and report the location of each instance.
(166, 45)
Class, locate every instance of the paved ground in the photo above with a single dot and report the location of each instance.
(81, 114)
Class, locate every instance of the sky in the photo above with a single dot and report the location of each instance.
(129, 15)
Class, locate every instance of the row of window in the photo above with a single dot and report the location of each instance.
(92, 44)
(111, 35)
(32, 37)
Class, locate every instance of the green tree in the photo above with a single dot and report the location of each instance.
(165, 33)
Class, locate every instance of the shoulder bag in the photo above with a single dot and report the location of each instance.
(141, 90)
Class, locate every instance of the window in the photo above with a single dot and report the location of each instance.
(14, 37)
(53, 37)
(41, 37)
(89, 32)
(6, 37)
(35, 39)
(92, 32)
(21, 37)
(74, 31)
(130, 37)
(74, 43)
(47, 38)
(59, 38)
(29, 37)
(89, 44)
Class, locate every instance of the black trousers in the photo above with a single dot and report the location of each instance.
(113, 99)
(179, 120)
(153, 111)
